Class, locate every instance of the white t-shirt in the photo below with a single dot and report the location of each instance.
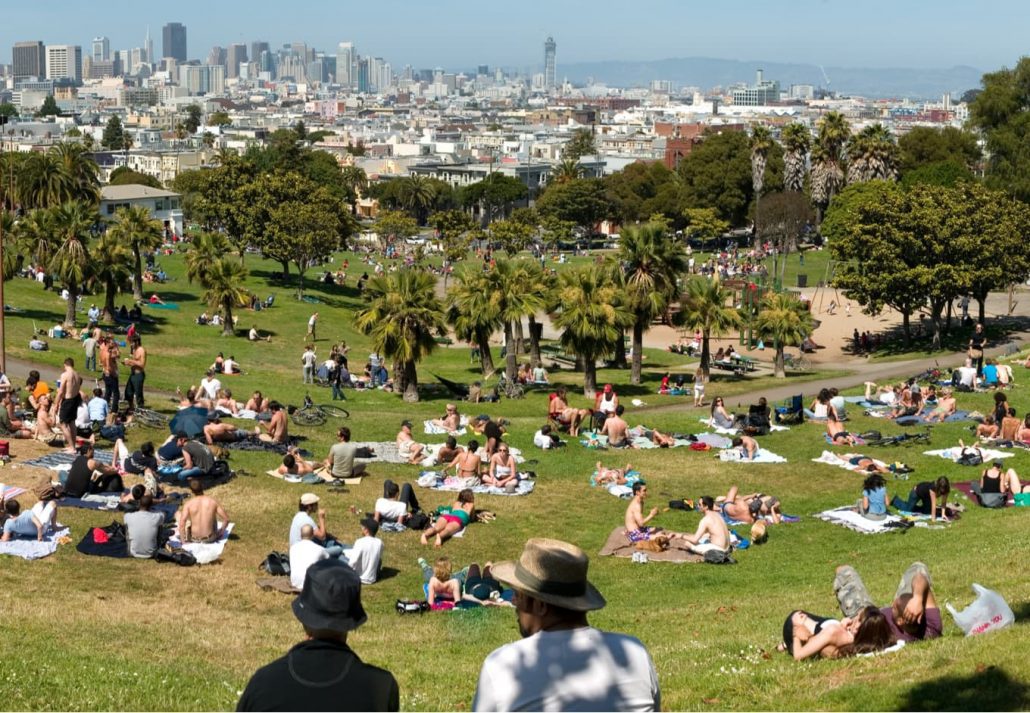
(43, 512)
(307, 358)
(967, 375)
(364, 557)
(392, 510)
(300, 520)
(582, 669)
(302, 555)
(229, 366)
(252, 334)
(311, 322)
(82, 419)
(542, 441)
(210, 387)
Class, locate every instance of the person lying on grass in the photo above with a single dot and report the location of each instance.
(946, 406)
(749, 508)
(838, 433)
(451, 520)
(863, 462)
(613, 476)
(807, 635)
(913, 614)
(662, 440)
(294, 465)
(442, 590)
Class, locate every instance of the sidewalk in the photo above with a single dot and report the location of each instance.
(18, 371)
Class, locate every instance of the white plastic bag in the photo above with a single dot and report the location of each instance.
(987, 613)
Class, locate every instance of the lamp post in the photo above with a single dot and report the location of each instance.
(3, 277)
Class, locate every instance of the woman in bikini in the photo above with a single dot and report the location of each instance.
(452, 519)
(466, 464)
(806, 635)
(502, 469)
(837, 433)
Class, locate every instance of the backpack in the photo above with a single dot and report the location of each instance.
(418, 521)
(411, 606)
(179, 557)
(970, 458)
(719, 557)
(220, 469)
(276, 564)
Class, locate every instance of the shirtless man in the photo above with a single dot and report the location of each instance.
(224, 433)
(137, 364)
(637, 529)
(838, 433)
(294, 464)
(451, 420)
(1010, 426)
(559, 410)
(713, 525)
(202, 518)
(109, 355)
(616, 429)
(276, 426)
(748, 508)
(748, 446)
(406, 445)
(946, 406)
(69, 397)
(612, 476)
(257, 403)
(43, 430)
(466, 464)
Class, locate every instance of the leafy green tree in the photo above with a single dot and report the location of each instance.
(80, 170)
(557, 231)
(942, 173)
(49, 107)
(828, 159)
(797, 141)
(13, 258)
(642, 189)
(495, 195)
(783, 321)
(300, 130)
(219, 118)
(704, 223)
(1002, 113)
(761, 143)
(568, 169)
(73, 133)
(193, 118)
(8, 110)
(703, 307)
(453, 229)
(540, 282)
(403, 316)
(36, 237)
(526, 216)
(125, 176)
(218, 200)
(417, 196)
(203, 251)
(580, 201)
(653, 261)
(581, 144)
(356, 182)
(590, 310)
(925, 146)
(784, 216)
(513, 236)
(208, 139)
(514, 302)
(224, 290)
(114, 135)
(139, 232)
(112, 269)
(872, 155)
(73, 224)
(392, 225)
(473, 312)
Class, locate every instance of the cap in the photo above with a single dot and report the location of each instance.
(607, 388)
(309, 499)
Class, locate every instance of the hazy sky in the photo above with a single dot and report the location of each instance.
(460, 34)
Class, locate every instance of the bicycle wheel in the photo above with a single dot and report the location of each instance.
(308, 417)
(334, 411)
(149, 418)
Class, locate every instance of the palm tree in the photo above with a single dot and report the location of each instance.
(653, 262)
(136, 229)
(417, 195)
(223, 284)
(514, 301)
(872, 155)
(784, 321)
(797, 140)
(828, 159)
(591, 312)
(112, 268)
(704, 307)
(81, 171)
(204, 250)
(568, 169)
(535, 281)
(402, 317)
(472, 311)
(356, 181)
(42, 183)
(70, 262)
(35, 236)
(761, 142)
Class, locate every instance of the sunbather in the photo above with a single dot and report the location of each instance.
(946, 406)
(838, 433)
(748, 446)
(749, 508)
(502, 471)
(294, 465)
(450, 421)
(467, 464)
(36, 522)
(662, 440)
(407, 447)
(806, 635)
(720, 417)
(452, 520)
(613, 476)
(862, 462)
(712, 532)
(442, 590)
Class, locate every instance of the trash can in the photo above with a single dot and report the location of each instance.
(802, 280)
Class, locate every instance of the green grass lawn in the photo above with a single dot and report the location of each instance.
(93, 633)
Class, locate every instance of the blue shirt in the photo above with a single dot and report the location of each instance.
(877, 500)
(990, 373)
(97, 409)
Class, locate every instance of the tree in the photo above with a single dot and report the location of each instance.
(580, 201)
(193, 118)
(785, 322)
(73, 224)
(513, 236)
(73, 133)
(473, 312)
(403, 316)
(1002, 113)
(540, 282)
(761, 144)
(112, 269)
(704, 223)
(224, 290)
(642, 189)
(925, 146)
(557, 231)
(219, 118)
(125, 176)
(453, 229)
(393, 225)
(653, 262)
(114, 135)
(49, 107)
(8, 110)
(513, 301)
(784, 216)
(36, 237)
(80, 171)
(204, 250)
(591, 313)
(797, 140)
(208, 139)
(581, 144)
(872, 155)
(300, 130)
(828, 159)
(417, 196)
(139, 232)
(356, 182)
(495, 195)
(567, 170)
(703, 307)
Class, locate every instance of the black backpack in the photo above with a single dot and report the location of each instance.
(220, 469)
(719, 557)
(418, 521)
(276, 564)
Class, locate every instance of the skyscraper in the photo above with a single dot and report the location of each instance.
(549, 65)
(237, 53)
(64, 62)
(345, 64)
(216, 56)
(148, 48)
(256, 48)
(29, 60)
(173, 41)
(101, 49)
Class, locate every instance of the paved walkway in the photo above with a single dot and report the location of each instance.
(18, 370)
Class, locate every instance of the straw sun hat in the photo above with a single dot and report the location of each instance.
(554, 572)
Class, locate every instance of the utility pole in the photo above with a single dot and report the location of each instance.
(3, 277)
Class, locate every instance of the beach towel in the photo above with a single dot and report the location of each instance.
(33, 549)
(923, 418)
(385, 452)
(618, 545)
(9, 492)
(966, 488)
(54, 461)
(431, 479)
(834, 459)
(733, 455)
(846, 516)
(858, 440)
(733, 431)
(784, 519)
(158, 305)
(205, 552)
(714, 440)
(432, 429)
(955, 452)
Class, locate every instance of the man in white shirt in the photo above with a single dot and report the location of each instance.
(562, 663)
(545, 439)
(93, 314)
(307, 360)
(393, 506)
(366, 555)
(304, 553)
(967, 375)
(210, 385)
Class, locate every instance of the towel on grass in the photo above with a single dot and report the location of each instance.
(35, 549)
(159, 305)
(834, 459)
(846, 516)
(733, 431)
(205, 552)
(734, 455)
(784, 519)
(431, 479)
(435, 430)
(923, 418)
(858, 440)
(54, 461)
(9, 492)
(955, 452)
(966, 488)
(618, 545)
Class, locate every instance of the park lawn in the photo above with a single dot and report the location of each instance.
(99, 633)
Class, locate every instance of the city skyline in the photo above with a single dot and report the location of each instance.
(825, 32)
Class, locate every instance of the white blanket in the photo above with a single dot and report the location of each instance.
(435, 430)
(205, 552)
(734, 455)
(730, 431)
(33, 549)
(834, 459)
(954, 452)
(847, 517)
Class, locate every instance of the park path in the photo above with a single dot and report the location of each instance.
(18, 370)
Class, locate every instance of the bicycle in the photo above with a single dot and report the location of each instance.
(148, 418)
(796, 363)
(901, 438)
(511, 389)
(312, 414)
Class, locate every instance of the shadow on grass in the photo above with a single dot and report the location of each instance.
(1022, 612)
(989, 690)
(169, 296)
(999, 331)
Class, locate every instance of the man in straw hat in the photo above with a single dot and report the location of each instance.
(562, 663)
(322, 673)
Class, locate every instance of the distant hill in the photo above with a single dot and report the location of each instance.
(706, 72)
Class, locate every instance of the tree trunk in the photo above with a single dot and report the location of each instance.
(109, 296)
(486, 357)
(534, 342)
(510, 358)
(638, 348)
(520, 338)
(137, 273)
(286, 268)
(620, 351)
(228, 329)
(936, 308)
(589, 378)
(706, 355)
(906, 326)
(410, 382)
(947, 321)
(69, 309)
(981, 302)
(300, 282)
(778, 371)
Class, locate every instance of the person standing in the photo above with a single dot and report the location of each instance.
(89, 345)
(110, 356)
(562, 663)
(312, 326)
(976, 349)
(137, 364)
(69, 398)
(307, 359)
(322, 673)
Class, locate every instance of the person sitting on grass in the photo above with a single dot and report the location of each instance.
(276, 427)
(748, 447)
(838, 434)
(502, 470)
(407, 447)
(449, 450)
(450, 421)
(257, 403)
(467, 464)
(946, 407)
(451, 520)
(294, 465)
(44, 431)
(873, 503)
(365, 556)
(1009, 427)
(442, 590)
(201, 518)
(11, 427)
(308, 505)
(304, 553)
(89, 476)
(616, 428)
(928, 498)
(712, 526)
(36, 522)
(637, 529)
(720, 417)
(988, 429)
(255, 336)
(806, 635)
(613, 476)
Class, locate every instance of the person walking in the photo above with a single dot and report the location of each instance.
(312, 326)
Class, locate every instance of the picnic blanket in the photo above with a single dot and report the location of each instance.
(924, 418)
(846, 516)
(8, 492)
(276, 584)
(733, 431)
(110, 501)
(966, 488)
(117, 547)
(159, 305)
(33, 549)
(955, 452)
(734, 455)
(317, 477)
(205, 552)
(618, 545)
(834, 459)
(432, 429)
(784, 519)
(61, 461)
(385, 452)
(431, 479)
(714, 440)
(432, 457)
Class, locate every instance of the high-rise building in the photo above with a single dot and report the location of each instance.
(345, 74)
(256, 48)
(29, 60)
(483, 69)
(148, 48)
(202, 78)
(550, 69)
(173, 41)
(101, 49)
(216, 56)
(64, 62)
(236, 55)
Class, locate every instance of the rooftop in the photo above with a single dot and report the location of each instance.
(132, 192)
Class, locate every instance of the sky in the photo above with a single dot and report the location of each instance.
(461, 34)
